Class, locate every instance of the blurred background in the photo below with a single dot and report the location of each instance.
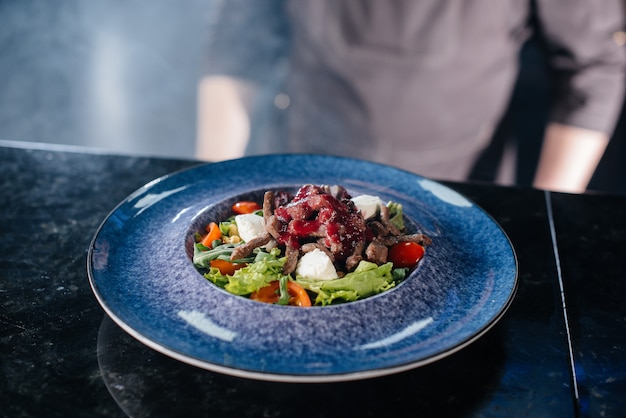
(116, 75)
(121, 76)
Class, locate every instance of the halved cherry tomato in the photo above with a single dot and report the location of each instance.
(405, 254)
(213, 233)
(244, 207)
(226, 267)
(271, 294)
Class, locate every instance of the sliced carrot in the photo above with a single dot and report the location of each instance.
(213, 233)
(226, 267)
(299, 295)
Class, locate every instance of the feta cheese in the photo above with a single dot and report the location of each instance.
(368, 205)
(316, 265)
(250, 226)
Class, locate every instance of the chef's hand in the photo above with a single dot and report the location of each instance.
(223, 126)
(569, 157)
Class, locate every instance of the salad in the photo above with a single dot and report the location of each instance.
(320, 246)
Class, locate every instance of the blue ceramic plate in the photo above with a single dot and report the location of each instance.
(141, 272)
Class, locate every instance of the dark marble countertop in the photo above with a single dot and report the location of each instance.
(558, 351)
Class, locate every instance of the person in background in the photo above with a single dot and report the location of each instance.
(420, 85)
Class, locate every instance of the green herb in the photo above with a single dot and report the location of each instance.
(284, 292)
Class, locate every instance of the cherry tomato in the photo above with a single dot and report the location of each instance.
(226, 267)
(271, 294)
(244, 207)
(405, 254)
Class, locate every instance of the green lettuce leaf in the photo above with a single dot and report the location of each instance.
(366, 280)
(266, 268)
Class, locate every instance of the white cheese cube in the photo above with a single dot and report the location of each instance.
(250, 226)
(368, 205)
(316, 265)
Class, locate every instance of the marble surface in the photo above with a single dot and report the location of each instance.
(62, 356)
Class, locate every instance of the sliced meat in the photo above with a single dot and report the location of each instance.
(292, 259)
(281, 198)
(310, 246)
(420, 239)
(355, 258)
(268, 205)
(244, 250)
(387, 240)
(384, 218)
(378, 229)
(273, 226)
(324, 217)
(377, 252)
